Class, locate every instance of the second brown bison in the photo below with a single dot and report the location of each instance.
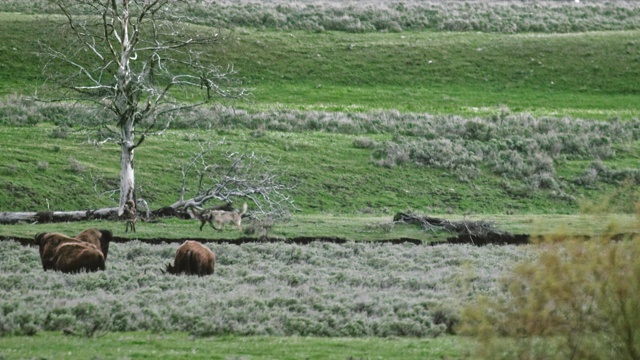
(80, 254)
(193, 258)
(76, 257)
(100, 238)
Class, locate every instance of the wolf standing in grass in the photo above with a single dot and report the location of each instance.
(221, 217)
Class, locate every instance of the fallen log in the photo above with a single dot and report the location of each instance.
(468, 232)
(57, 216)
(41, 217)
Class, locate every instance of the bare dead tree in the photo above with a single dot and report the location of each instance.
(129, 57)
(235, 175)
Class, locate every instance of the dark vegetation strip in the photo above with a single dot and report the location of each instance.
(469, 232)
(299, 240)
(477, 233)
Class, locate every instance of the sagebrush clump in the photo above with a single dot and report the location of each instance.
(577, 300)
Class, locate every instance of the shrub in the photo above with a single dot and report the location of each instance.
(59, 132)
(384, 226)
(76, 166)
(576, 300)
(319, 289)
(451, 15)
(43, 165)
(364, 143)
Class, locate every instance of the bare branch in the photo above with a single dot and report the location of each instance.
(238, 175)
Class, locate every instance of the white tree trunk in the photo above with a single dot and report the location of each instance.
(127, 175)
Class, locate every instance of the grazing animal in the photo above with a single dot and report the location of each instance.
(99, 238)
(221, 217)
(74, 257)
(130, 215)
(193, 258)
(48, 244)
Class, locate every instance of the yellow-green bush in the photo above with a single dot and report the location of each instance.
(577, 300)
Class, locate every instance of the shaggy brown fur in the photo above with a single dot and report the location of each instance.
(220, 217)
(48, 244)
(99, 238)
(74, 257)
(193, 258)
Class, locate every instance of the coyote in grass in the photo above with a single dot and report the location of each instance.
(220, 217)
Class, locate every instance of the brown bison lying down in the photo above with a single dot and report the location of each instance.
(193, 258)
(52, 251)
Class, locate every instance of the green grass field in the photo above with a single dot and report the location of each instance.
(585, 75)
(180, 346)
(317, 99)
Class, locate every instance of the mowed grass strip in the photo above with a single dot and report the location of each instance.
(348, 227)
(144, 345)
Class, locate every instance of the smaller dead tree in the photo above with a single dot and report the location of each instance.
(208, 176)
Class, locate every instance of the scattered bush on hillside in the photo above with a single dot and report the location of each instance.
(43, 165)
(76, 166)
(384, 226)
(18, 111)
(622, 199)
(363, 142)
(597, 171)
(520, 146)
(25, 111)
(517, 146)
(578, 300)
(59, 132)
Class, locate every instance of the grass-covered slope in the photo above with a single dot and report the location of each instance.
(330, 173)
(589, 75)
(352, 162)
(180, 345)
(586, 75)
(49, 167)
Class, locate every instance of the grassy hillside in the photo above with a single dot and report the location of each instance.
(331, 172)
(359, 161)
(588, 75)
